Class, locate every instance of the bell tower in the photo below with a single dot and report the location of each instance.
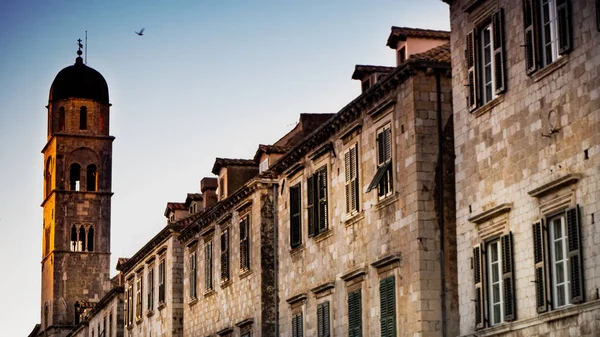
(77, 197)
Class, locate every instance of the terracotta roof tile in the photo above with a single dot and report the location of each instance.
(269, 149)
(173, 206)
(440, 54)
(224, 162)
(361, 70)
(401, 33)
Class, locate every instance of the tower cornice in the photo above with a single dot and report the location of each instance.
(74, 192)
(71, 135)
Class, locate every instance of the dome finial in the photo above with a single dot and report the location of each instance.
(79, 60)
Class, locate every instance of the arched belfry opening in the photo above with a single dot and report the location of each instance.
(48, 177)
(75, 177)
(91, 179)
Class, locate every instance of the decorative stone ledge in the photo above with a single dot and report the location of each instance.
(354, 274)
(225, 331)
(491, 213)
(354, 218)
(563, 181)
(246, 322)
(300, 298)
(327, 147)
(387, 262)
(323, 289)
(293, 170)
(193, 301)
(349, 132)
(241, 206)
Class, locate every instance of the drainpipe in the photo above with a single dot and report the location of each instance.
(440, 182)
(275, 264)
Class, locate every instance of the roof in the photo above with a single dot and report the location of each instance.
(270, 149)
(225, 162)
(438, 54)
(79, 81)
(35, 330)
(192, 197)
(361, 70)
(401, 33)
(173, 206)
(308, 123)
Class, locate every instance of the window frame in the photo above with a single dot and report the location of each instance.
(351, 179)
(208, 266)
(162, 280)
(318, 201)
(150, 289)
(83, 118)
(295, 200)
(225, 256)
(193, 288)
(245, 243)
(138, 295)
(383, 179)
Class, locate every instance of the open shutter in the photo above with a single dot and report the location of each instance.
(387, 137)
(563, 11)
(478, 278)
(208, 266)
(508, 277)
(380, 148)
(539, 252)
(310, 196)
(575, 256)
(471, 71)
(498, 30)
(529, 19)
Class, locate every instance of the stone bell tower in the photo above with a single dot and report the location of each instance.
(77, 197)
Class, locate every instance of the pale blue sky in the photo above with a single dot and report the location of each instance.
(208, 79)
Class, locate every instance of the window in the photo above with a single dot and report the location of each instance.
(351, 179)
(48, 176)
(225, 256)
(90, 239)
(193, 292)
(138, 296)
(401, 55)
(208, 266)
(80, 242)
(83, 118)
(221, 188)
(61, 119)
(494, 284)
(295, 216)
(91, 178)
(558, 261)
(323, 329)
(161, 281)
(366, 84)
(245, 244)
(355, 313)
(264, 165)
(317, 202)
(297, 325)
(387, 298)
(75, 177)
(383, 177)
(547, 32)
(150, 301)
(485, 61)
(128, 307)
(110, 322)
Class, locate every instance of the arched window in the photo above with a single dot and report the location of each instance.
(91, 178)
(81, 241)
(74, 242)
(83, 118)
(61, 119)
(75, 177)
(90, 239)
(48, 176)
(47, 232)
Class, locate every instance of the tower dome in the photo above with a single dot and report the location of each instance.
(79, 81)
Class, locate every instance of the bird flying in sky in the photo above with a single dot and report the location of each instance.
(141, 32)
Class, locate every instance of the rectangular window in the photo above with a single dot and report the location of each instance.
(129, 305)
(494, 282)
(383, 177)
(355, 313)
(110, 323)
(401, 55)
(161, 281)
(83, 118)
(317, 202)
(193, 292)
(150, 301)
(295, 216)
(245, 244)
(387, 298)
(208, 266)
(485, 61)
(351, 179)
(225, 275)
(138, 296)
(221, 188)
(297, 325)
(547, 31)
(323, 329)
(557, 249)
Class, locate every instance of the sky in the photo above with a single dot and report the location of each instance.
(207, 79)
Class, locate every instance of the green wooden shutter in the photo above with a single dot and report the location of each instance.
(563, 11)
(225, 255)
(470, 56)
(320, 320)
(355, 314)
(478, 279)
(354, 169)
(387, 294)
(575, 256)
(208, 266)
(499, 71)
(348, 181)
(539, 252)
(387, 136)
(310, 196)
(508, 277)
(530, 20)
(322, 194)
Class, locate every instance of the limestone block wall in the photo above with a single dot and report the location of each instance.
(543, 128)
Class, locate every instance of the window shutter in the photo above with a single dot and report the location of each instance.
(354, 170)
(322, 193)
(508, 278)
(380, 148)
(575, 255)
(224, 256)
(244, 244)
(320, 320)
(295, 326)
(295, 216)
(471, 69)
(563, 11)
(387, 295)
(326, 327)
(355, 314)
(478, 278)
(539, 252)
(348, 181)
(208, 266)
(387, 136)
(529, 19)
(498, 30)
(310, 196)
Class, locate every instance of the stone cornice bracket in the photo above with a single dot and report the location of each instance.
(245, 322)
(297, 299)
(323, 288)
(387, 260)
(225, 331)
(356, 273)
(563, 181)
(491, 213)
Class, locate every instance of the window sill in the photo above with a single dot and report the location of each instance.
(245, 273)
(297, 249)
(225, 284)
(549, 69)
(138, 320)
(482, 110)
(130, 327)
(161, 306)
(209, 292)
(192, 301)
(354, 218)
(323, 235)
(149, 313)
(392, 198)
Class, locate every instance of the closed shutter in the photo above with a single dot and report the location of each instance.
(354, 170)
(225, 256)
(499, 71)
(208, 266)
(575, 256)
(563, 11)
(310, 197)
(348, 181)
(244, 244)
(508, 277)
(387, 293)
(539, 252)
(529, 20)
(322, 193)
(297, 328)
(478, 279)
(355, 314)
(470, 54)
(295, 216)
(320, 320)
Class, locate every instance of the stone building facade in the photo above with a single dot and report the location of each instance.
(526, 90)
(104, 319)
(366, 207)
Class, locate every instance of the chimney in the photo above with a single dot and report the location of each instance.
(208, 187)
